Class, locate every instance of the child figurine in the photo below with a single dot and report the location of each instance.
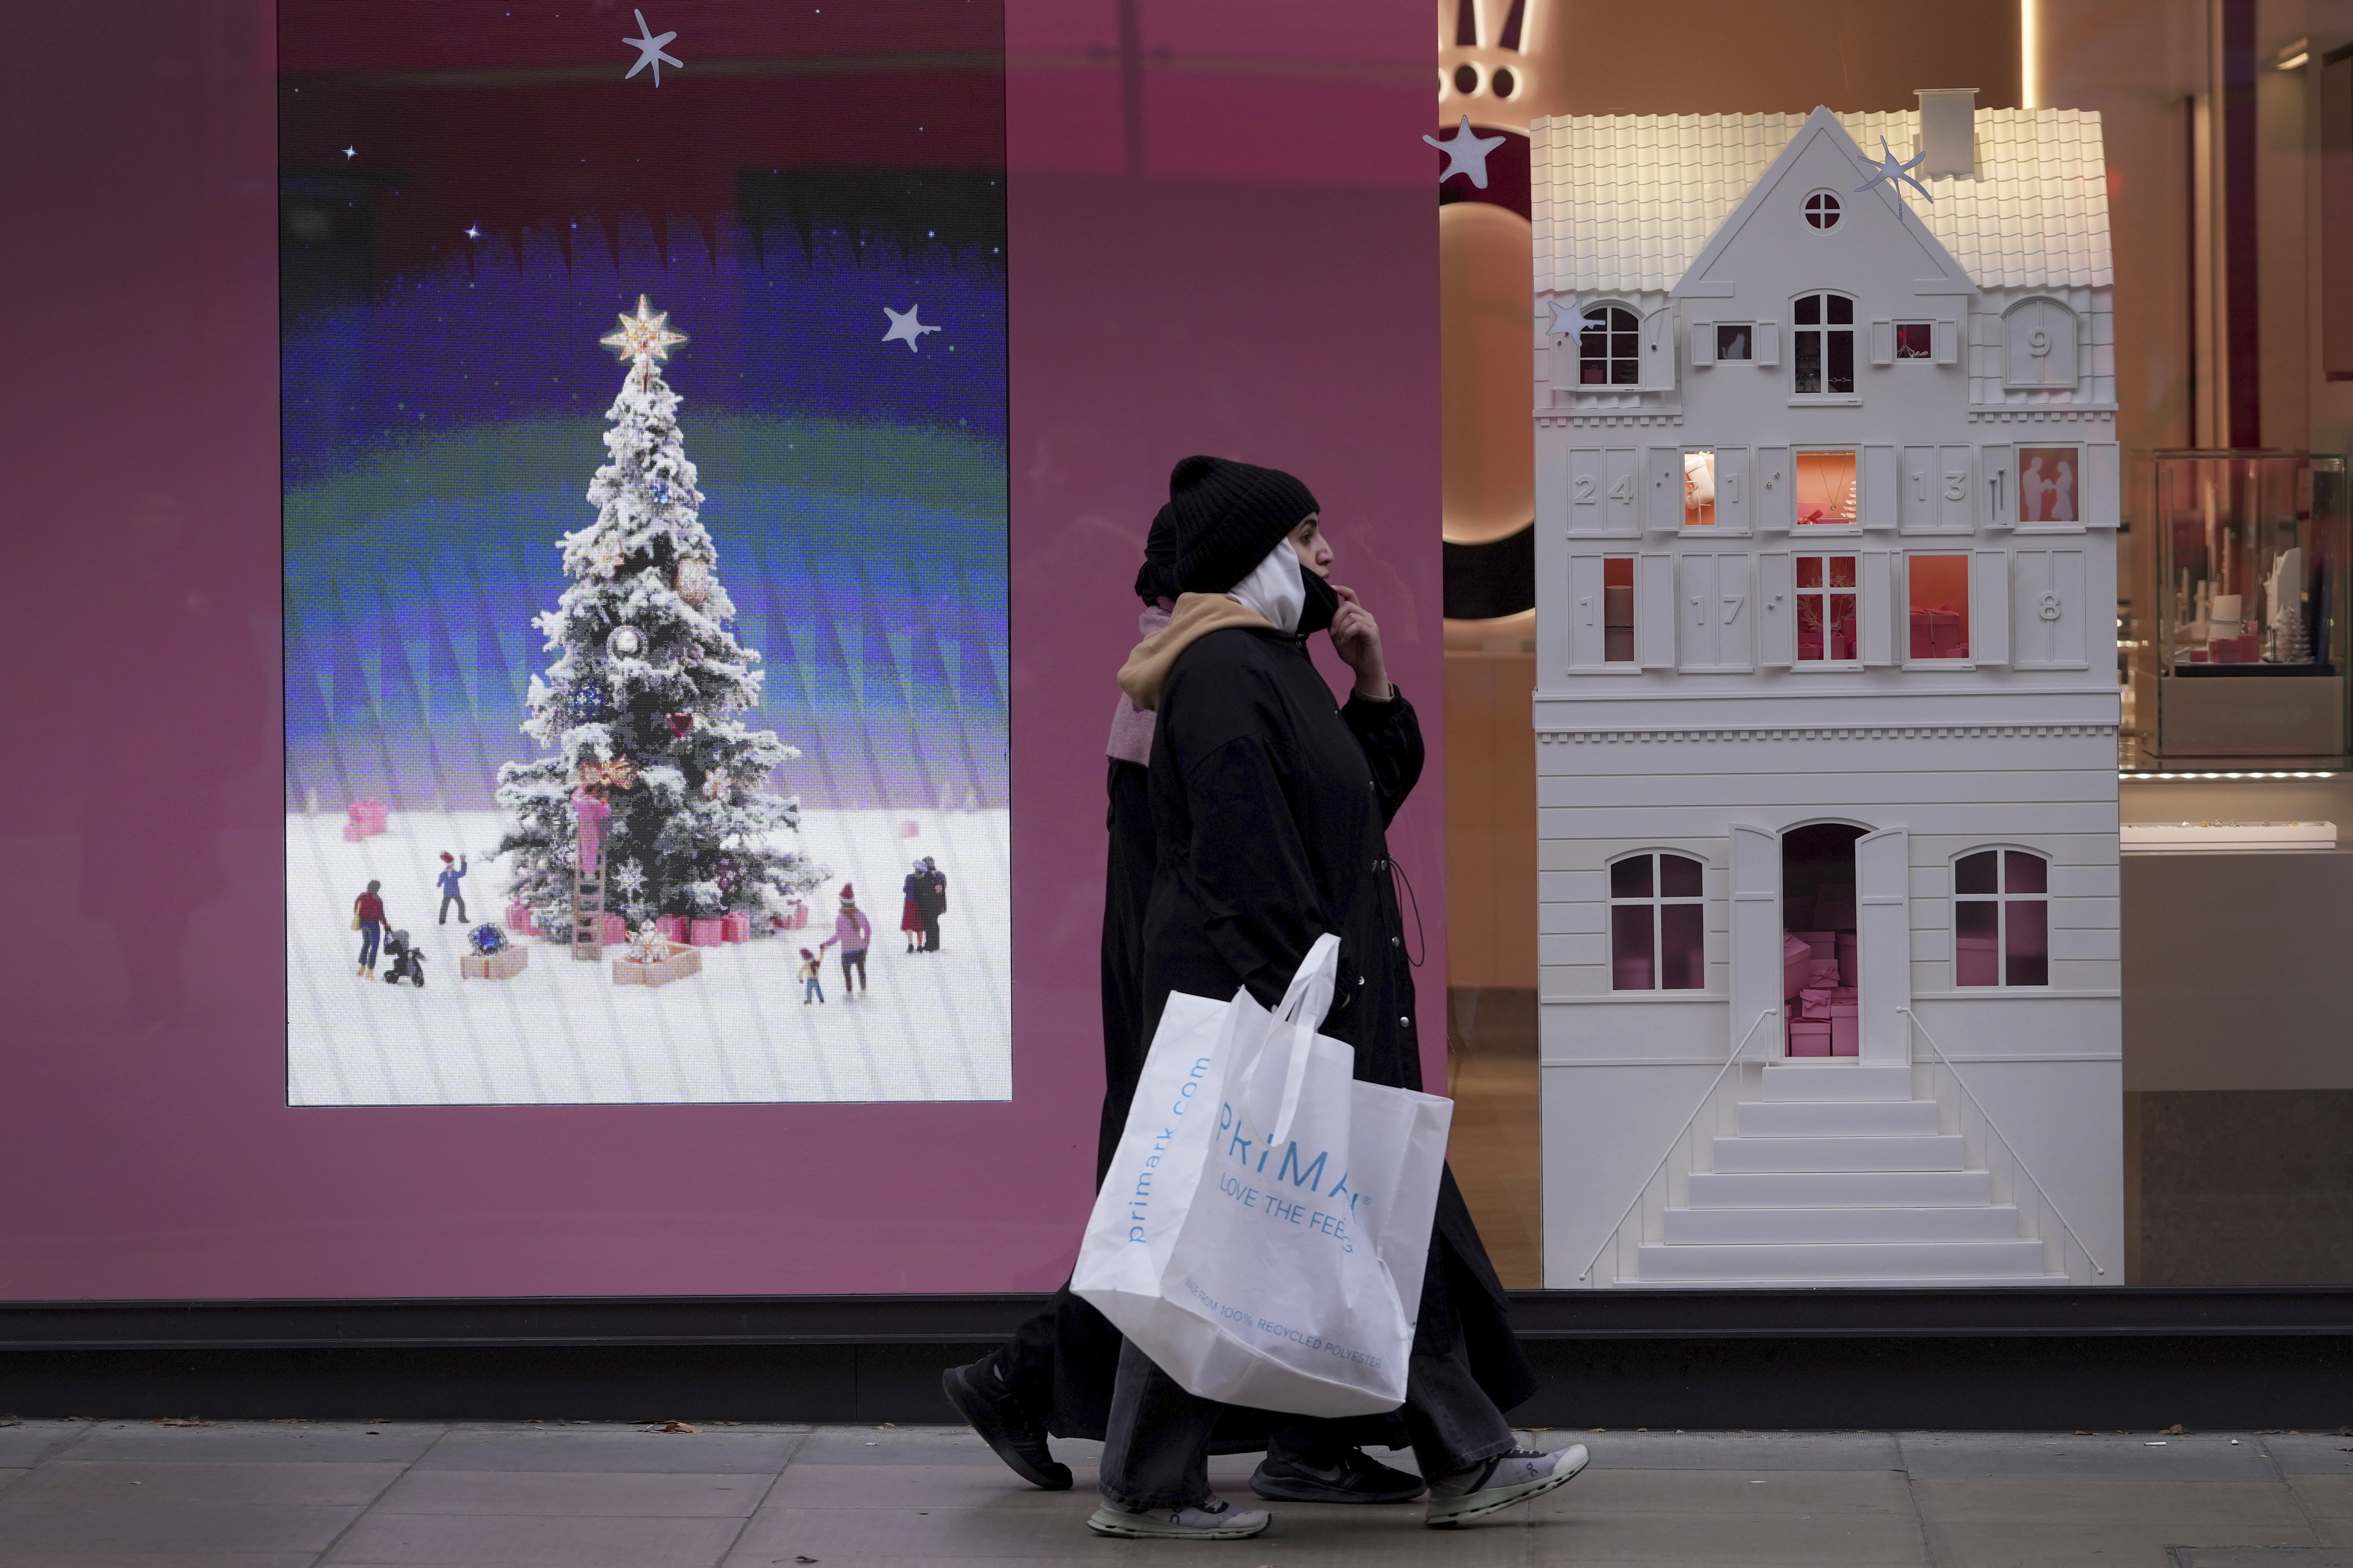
(451, 876)
(589, 806)
(812, 985)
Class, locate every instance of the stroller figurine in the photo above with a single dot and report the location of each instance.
(407, 963)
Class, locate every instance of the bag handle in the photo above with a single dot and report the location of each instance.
(1295, 1022)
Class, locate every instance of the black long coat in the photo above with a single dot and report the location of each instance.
(1271, 805)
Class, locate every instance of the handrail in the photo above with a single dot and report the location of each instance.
(1676, 1142)
(1995, 1128)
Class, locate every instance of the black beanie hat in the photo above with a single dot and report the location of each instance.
(1156, 578)
(1228, 516)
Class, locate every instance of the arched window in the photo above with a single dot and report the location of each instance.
(1823, 345)
(1610, 347)
(2002, 919)
(1658, 924)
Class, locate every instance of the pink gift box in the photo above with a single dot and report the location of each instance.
(611, 930)
(672, 927)
(1821, 974)
(797, 916)
(1850, 956)
(703, 933)
(1813, 1004)
(519, 919)
(1797, 962)
(1823, 942)
(736, 928)
(1846, 1033)
(1808, 1040)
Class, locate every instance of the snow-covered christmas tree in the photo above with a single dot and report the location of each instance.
(638, 703)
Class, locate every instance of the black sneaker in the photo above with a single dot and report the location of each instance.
(1010, 1431)
(1351, 1475)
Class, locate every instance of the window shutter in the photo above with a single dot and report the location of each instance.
(1777, 610)
(1654, 611)
(1586, 646)
(1918, 503)
(1874, 599)
(1663, 505)
(1703, 343)
(1956, 499)
(1756, 943)
(1621, 505)
(2050, 609)
(1880, 504)
(1946, 339)
(1736, 615)
(1697, 616)
(1659, 351)
(1774, 487)
(1882, 343)
(1882, 888)
(1563, 365)
(1586, 486)
(1989, 606)
(1732, 498)
(2000, 469)
(2102, 484)
(1766, 342)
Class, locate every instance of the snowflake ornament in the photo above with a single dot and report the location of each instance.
(629, 877)
(590, 704)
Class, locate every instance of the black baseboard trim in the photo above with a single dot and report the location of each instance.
(2020, 1360)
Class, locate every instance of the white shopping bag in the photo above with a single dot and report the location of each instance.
(1262, 1230)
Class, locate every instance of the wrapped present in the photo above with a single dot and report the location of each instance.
(1846, 1030)
(1810, 1039)
(364, 819)
(797, 916)
(1823, 942)
(1850, 957)
(736, 928)
(656, 964)
(504, 965)
(611, 930)
(1814, 1003)
(1822, 973)
(671, 927)
(1797, 963)
(519, 919)
(703, 933)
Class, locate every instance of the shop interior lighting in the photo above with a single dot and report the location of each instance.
(2169, 777)
(2293, 56)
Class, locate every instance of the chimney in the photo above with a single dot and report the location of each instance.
(1948, 131)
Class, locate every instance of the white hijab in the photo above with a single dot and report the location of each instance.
(1274, 589)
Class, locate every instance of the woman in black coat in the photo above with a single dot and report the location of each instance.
(1270, 807)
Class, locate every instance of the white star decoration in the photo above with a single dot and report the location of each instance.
(1565, 317)
(904, 327)
(645, 336)
(1892, 169)
(649, 51)
(350, 153)
(473, 231)
(1466, 153)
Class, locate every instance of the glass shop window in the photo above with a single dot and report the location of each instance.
(1826, 611)
(2002, 919)
(1699, 490)
(1915, 340)
(1658, 924)
(1731, 339)
(1938, 588)
(1824, 344)
(2046, 483)
(1825, 488)
(1610, 347)
(1618, 609)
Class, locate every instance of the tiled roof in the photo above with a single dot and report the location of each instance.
(1627, 202)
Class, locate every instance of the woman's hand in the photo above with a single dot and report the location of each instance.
(1357, 636)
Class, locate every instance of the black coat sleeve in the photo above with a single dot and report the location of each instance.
(1391, 737)
(1249, 866)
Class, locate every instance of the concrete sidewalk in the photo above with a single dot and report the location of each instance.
(107, 1494)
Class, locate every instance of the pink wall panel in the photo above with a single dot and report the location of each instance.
(1264, 288)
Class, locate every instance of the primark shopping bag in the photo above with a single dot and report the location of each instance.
(1263, 1227)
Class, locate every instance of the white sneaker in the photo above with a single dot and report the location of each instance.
(1496, 1484)
(1217, 1520)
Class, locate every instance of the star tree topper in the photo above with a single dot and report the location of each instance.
(645, 337)
(1891, 168)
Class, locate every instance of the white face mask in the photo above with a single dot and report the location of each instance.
(1274, 589)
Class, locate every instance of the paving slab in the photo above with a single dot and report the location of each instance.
(24, 1443)
(2220, 1513)
(62, 1486)
(921, 1446)
(358, 1441)
(1560, 1530)
(1966, 1455)
(1820, 1494)
(486, 1540)
(75, 1559)
(2309, 1453)
(2232, 1557)
(649, 1494)
(713, 1451)
(1728, 1450)
(176, 1529)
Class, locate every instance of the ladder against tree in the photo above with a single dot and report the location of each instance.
(588, 913)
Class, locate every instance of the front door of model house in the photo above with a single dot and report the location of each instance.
(1841, 891)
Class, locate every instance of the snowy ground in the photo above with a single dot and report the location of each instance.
(933, 1027)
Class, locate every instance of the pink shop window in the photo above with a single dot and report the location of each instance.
(1658, 924)
(2002, 919)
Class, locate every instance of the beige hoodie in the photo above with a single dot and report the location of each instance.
(1197, 614)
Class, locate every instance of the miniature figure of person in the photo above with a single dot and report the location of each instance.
(812, 978)
(935, 903)
(853, 931)
(589, 806)
(367, 919)
(451, 892)
(2033, 492)
(911, 911)
(2059, 505)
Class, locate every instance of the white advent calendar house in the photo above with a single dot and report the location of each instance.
(1825, 699)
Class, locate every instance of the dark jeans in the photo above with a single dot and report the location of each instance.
(853, 959)
(448, 899)
(1156, 1452)
(930, 933)
(371, 932)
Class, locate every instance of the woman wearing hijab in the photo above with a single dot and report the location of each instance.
(1270, 806)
